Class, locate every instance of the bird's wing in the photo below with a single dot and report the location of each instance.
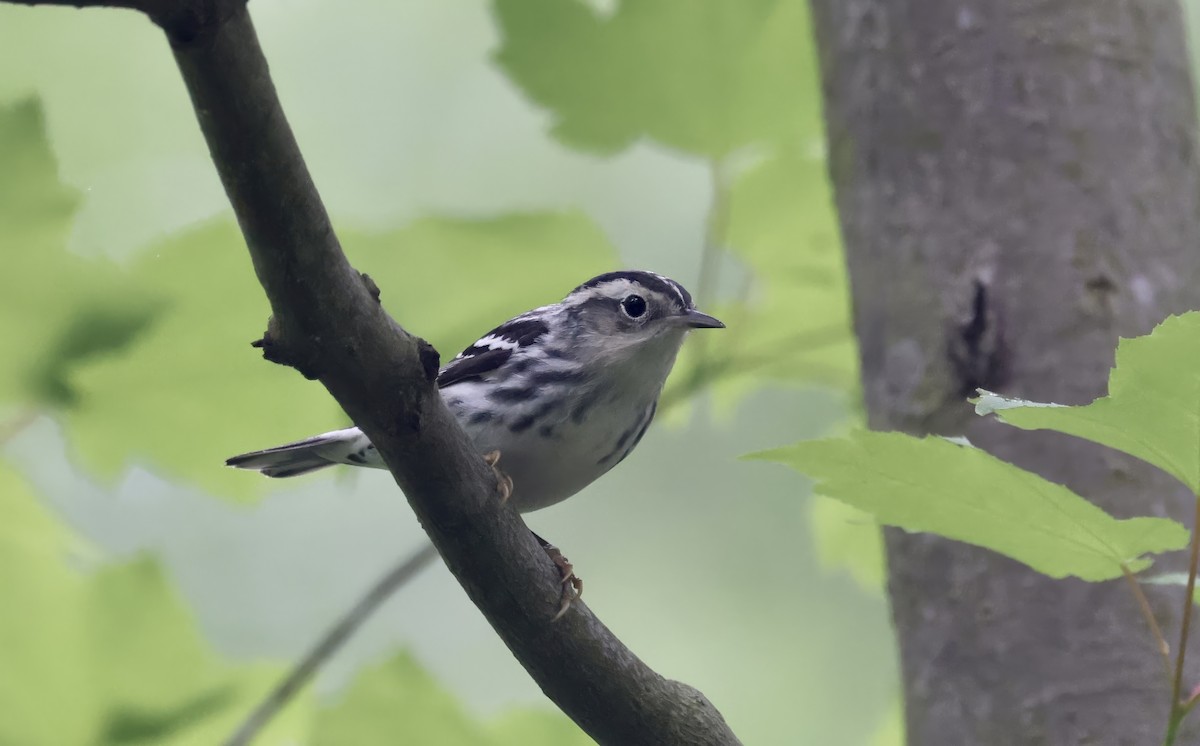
(492, 350)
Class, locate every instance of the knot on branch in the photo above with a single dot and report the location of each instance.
(184, 21)
(280, 353)
(372, 288)
(431, 361)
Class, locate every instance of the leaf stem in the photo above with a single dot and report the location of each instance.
(716, 231)
(1179, 708)
(1164, 648)
(1191, 701)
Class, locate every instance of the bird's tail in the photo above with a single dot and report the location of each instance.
(347, 446)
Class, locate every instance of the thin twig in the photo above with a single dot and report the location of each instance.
(1188, 603)
(1164, 648)
(1178, 708)
(802, 342)
(16, 425)
(716, 231)
(1191, 701)
(332, 641)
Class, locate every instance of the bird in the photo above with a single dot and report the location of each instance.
(563, 393)
(558, 395)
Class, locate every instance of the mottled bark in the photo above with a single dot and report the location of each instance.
(1018, 186)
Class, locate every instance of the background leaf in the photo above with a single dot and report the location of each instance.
(193, 392)
(540, 727)
(399, 702)
(108, 656)
(396, 701)
(56, 309)
(964, 493)
(150, 665)
(782, 224)
(45, 647)
(702, 76)
(1152, 410)
(789, 319)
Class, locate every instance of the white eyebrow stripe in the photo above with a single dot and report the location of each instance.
(603, 290)
(621, 283)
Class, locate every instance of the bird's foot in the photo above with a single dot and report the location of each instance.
(504, 483)
(571, 585)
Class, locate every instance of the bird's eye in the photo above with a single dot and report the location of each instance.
(634, 306)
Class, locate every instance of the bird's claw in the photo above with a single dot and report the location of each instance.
(572, 584)
(504, 483)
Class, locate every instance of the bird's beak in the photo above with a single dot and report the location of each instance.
(696, 320)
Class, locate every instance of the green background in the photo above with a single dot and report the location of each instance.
(479, 159)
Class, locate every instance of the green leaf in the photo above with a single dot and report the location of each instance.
(193, 392)
(148, 658)
(158, 680)
(791, 320)
(964, 493)
(56, 310)
(529, 727)
(782, 224)
(396, 702)
(212, 717)
(399, 702)
(450, 280)
(43, 644)
(702, 76)
(1152, 410)
(115, 646)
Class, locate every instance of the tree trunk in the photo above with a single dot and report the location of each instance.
(1017, 186)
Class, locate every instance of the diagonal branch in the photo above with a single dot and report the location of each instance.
(328, 323)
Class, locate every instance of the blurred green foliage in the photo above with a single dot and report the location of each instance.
(796, 311)
(56, 310)
(733, 82)
(707, 78)
(398, 696)
(107, 654)
(146, 363)
(202, 347)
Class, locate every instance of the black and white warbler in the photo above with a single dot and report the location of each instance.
(563, 392)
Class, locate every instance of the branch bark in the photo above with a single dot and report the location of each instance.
(328, 323)
(1017, 185)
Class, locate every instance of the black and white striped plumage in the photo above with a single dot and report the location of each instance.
(564, 392)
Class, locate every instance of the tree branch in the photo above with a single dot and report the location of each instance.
(328, 323)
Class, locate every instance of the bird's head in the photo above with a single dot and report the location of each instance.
(634, 314)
